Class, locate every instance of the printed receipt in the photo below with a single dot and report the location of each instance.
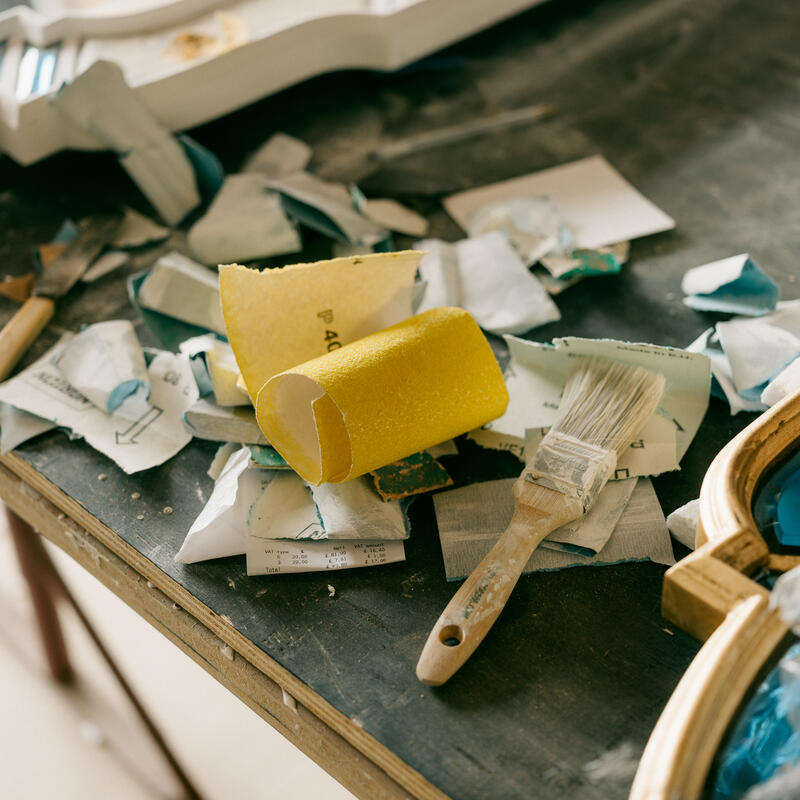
(275, 557)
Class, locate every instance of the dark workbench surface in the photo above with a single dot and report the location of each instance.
(698, 104)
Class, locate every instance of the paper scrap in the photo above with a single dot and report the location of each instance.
(786, 382)
(532, 224)
(285, 510)
(100, 102)
(578, 264)
(17, 427)
(137, 230)
(279, 318)
(595, 202)
(105, 363)
(383, 397)
(326, 207)
(353, 510)
(266, 457)
(447, 448)
(735, 285)
(486, 277)
(155, 436)
(391, 215)
(418, 473)
(105, 264)
(182, 288)
(756, 349)
(224, 452)
(471, 519)
(19, 288)
(221, 528)
(536, 374)
(268, 557)
(224, 372)
(280, 155)
(207, 420)
(245, 221)
(722, 384)
(682, 523)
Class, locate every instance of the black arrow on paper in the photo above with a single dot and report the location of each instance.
(139, 426)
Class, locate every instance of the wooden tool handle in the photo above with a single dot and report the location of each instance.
(21, 331)
(483, 595)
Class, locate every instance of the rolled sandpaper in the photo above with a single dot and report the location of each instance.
(383, 397)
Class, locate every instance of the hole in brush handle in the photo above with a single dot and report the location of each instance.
(451, 635)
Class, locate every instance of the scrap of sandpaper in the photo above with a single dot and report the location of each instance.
(100, 102)
(417, 473)
(735, 285)
(577, 264)
(383, 397)
(596, 203)
(105, 363)
(533, 225)
(17, 427)
(223, 371)
(486, 277)
(217, 465)
(105, 264)
(266, 457)
(786, 382)
(326, 207)
(722, 385)
(181, 288)
(282, 317)
(389, 214)
(289, 509)
(134, 444)
(280, 155)
(245, 221)
(682, 523)
(137, 230)
(471, 519)
(221, 528)
(536, 374)
(206, 420)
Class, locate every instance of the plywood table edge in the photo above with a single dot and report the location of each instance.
(35, 486)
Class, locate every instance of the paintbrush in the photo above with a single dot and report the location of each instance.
(603, 407)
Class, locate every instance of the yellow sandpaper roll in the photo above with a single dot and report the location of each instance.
(383, 397)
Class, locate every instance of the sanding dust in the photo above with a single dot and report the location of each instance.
(617, 765)
(136, 495)
(288, 700)
(102, 477)
(331, 591)
(167, 510)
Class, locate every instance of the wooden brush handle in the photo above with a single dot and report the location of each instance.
(483, 595)
(21, 331)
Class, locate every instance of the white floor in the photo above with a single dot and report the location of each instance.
(49, 748)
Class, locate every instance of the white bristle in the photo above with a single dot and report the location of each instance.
(606, 403)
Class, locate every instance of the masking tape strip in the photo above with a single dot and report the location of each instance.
(383, 397)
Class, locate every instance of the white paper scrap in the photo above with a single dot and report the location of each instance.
(721, 370)
(245, 221)
(280, 155)
(536, 374)
(786, 382)
(152, 438)
(354, 510)
(100, 102)
(224, 452)
(756, 349)
(105, 363)
(184, 289)
(393, 216)
(105, 264)
(17, 427)
(285, 510)
(492, 283)
(533, 226)
(221, 528)
(596, 203)
(269, 557)
(471, 519)
(205, 419)
(735, 285)
(682, 523)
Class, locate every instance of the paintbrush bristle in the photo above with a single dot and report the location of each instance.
(605, 403)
